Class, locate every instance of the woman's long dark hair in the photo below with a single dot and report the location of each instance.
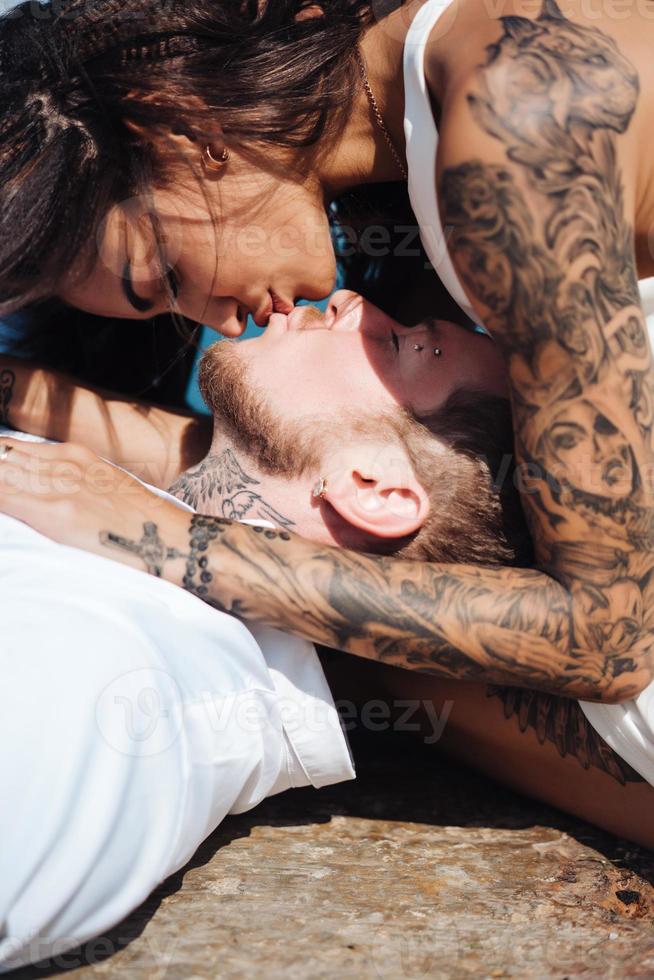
(73, 72)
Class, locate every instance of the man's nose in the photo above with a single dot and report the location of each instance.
(338, 305)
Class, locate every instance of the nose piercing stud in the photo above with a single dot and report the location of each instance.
(437, 352)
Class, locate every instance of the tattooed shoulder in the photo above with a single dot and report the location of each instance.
(544, 243)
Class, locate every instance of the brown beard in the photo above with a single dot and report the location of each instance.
(286, 448)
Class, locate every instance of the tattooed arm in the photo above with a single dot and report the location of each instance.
(504, 625)
(542, 242)
(534, 200)
(154, 443)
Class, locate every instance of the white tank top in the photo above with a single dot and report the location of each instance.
(628, 728)
(421, 147)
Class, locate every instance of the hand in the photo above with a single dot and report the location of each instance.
(71, 495)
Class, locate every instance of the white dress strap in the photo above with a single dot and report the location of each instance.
(421, 138)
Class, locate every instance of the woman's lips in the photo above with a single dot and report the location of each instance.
(273, 304)
(279, 304)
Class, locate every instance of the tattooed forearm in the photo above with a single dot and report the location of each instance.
(562, 722)
(219, 485)
(465, 622)
(7, 382)
(150, 548)
(504, 625)
(545, 249)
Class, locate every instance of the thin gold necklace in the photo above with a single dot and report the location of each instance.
(378, 116)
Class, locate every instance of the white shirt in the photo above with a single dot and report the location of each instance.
(133, 718)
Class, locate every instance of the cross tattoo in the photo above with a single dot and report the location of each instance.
(150, 548)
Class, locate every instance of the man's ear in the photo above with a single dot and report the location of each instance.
(375, 489)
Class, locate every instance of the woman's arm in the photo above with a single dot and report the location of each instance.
(154, 443)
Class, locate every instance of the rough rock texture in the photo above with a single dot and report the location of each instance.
(418, 869)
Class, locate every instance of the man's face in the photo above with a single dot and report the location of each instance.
(357, 357)
(318, 397)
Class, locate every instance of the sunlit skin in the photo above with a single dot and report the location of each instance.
(573, 219)
(356, 347)
(309, 365)
(271, 244)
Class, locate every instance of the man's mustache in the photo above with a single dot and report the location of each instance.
(310, 317)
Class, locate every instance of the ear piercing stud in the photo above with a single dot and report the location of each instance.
(320, 489)
(437, 352)
(213, 164)
(418, 347)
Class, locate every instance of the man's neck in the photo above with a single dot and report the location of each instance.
(225, 485)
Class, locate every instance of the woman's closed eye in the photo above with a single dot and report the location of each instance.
(173, 282)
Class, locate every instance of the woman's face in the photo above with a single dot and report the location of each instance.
(272, 245)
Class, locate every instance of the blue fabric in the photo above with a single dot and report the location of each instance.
(19, 335)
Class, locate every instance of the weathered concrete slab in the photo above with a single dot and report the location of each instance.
(416, 870)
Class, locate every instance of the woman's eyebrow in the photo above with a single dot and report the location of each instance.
(140, 305)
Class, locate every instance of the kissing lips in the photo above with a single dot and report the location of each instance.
(280, 305)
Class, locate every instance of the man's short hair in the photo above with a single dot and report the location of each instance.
(475, 511)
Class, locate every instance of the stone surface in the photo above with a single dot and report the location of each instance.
(417, 869)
